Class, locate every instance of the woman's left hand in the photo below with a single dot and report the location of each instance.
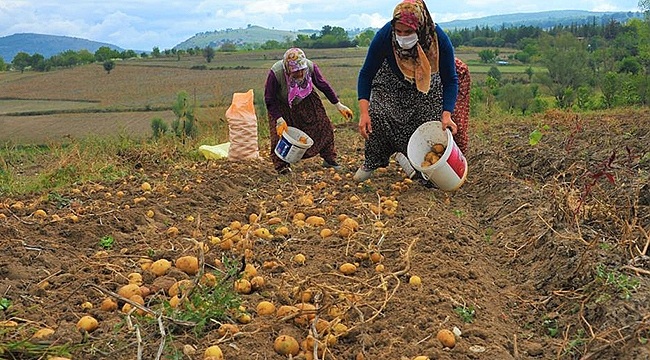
(447, 122)
(344, 110)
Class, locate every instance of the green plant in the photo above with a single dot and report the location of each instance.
(622, 284)
(536, 136)
(466, 313)
(488, 235)
(106, 242)
(59, 201)
(551, 327)
(4, 304)
(206, 304)
(458, 213)
(26, 349)
(158, 127)
(576, 342)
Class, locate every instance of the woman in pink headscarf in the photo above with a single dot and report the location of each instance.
(291, 101)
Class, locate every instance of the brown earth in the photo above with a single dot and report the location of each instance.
(546, 244)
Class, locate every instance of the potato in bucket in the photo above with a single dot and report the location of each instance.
(449, 171)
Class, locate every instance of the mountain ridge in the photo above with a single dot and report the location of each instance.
(49, 45)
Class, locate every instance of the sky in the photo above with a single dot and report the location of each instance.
(145, 24)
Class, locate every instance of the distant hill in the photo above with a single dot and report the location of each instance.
(544, 19)
(46, 45)
(49, 45)
(250, 35)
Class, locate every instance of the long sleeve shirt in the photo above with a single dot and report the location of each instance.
(381, 48)
(273, 86)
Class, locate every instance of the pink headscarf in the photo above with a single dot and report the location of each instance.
(295, 60)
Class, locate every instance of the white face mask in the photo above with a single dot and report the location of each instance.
(408, 41)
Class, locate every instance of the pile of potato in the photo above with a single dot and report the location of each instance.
(433, 155)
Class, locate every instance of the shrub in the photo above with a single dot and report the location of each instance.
(158, 127)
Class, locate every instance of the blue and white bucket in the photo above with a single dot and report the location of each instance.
(289, 147)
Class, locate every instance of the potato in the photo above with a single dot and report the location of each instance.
(265, 308)
(145, 186)
(87, 323)
(213, 351)
(325, 233)
(350, 224)
(129, 290)
(257, 282)
(225, 329)
(181, 287)
(415, 280)
(447, 338)
(282, 231)
(42, 333)
(286, 345)
(209, 280)
(315, 221)
(188, 264)
(286, 310)
(108, 305)
(348, 268)
(160, 267)
(135, 278)
(299, 259)
(307, 314)
(174, 301)
(243, 286)
(376, 257)
(250, 271)
(438, 149)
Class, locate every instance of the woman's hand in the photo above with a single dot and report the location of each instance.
(447, 122)
(344, 110)
(365, 127)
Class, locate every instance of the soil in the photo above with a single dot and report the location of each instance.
(541, 254)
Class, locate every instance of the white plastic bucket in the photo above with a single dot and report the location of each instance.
(289, 147)
(450, 171)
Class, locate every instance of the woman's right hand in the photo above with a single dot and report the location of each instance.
(365, 127)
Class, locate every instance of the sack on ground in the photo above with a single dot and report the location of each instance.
(242, 127)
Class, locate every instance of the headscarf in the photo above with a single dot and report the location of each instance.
(294, 60)
(418, 63)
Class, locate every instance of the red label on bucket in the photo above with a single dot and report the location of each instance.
(457, 161)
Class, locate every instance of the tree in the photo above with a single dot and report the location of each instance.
(529, 71)
(365, 38)
(3, 65)
(226, 47)
(567, 61)
(208, 53)
(109, 65)
(184, 125)
(21, 61)
(516, 97)
(644, 5)
(494, 73)
(486, 55)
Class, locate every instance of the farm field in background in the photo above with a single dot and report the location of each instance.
(134, 92)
